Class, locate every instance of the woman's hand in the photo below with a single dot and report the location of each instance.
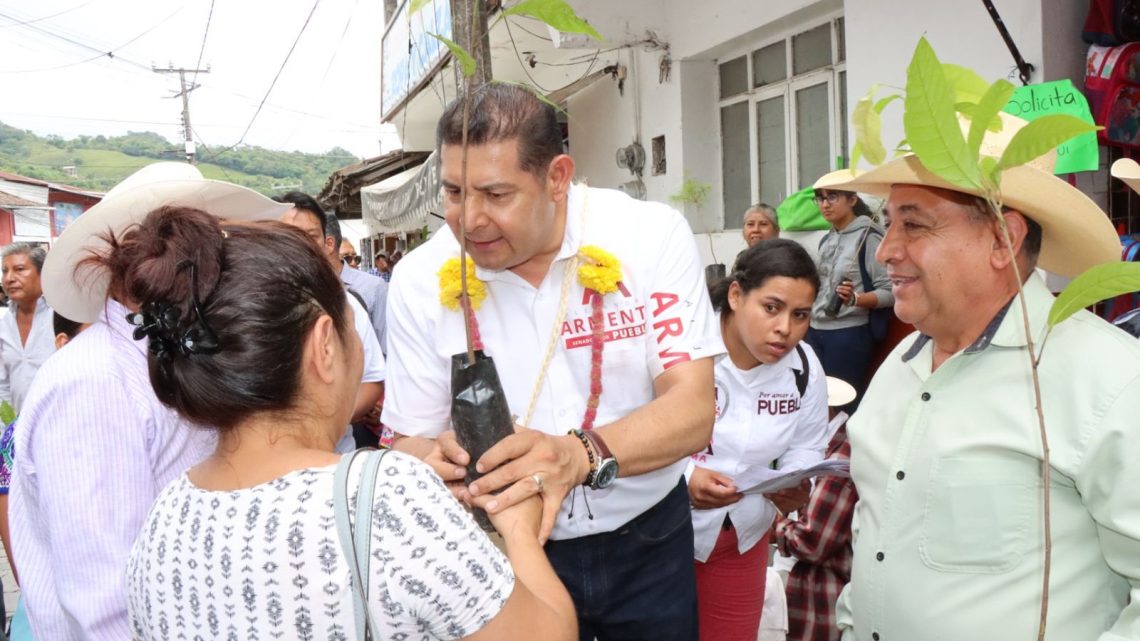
(709, 489)
(519, 520)
(846, 291)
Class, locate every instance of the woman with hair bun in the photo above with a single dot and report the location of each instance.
(263, 352)
(771, 397)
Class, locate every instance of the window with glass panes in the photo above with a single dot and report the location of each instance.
(783, 120)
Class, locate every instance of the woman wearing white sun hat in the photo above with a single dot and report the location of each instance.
(94, 444)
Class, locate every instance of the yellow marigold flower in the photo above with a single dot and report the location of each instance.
(600, 270)
(450, 285)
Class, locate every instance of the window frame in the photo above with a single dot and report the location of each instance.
(831, 75)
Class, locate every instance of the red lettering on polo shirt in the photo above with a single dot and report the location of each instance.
(664, 301)
(669, 358)
(668, 327)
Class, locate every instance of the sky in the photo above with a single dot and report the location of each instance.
(56, 76)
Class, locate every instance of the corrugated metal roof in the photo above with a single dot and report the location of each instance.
(17, 178)
(11, 200)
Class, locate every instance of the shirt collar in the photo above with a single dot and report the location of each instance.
(115, 315)
(41, 306)
(1005, 329)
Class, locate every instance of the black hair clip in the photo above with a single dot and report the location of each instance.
(161, 323)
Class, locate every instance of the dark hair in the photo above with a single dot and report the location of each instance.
(332, 230)
(979, 210)
(63, 325)
(35, 253)
(260, 307)
(766, 259)
(305, 202)
(860, 208)
(500, 112)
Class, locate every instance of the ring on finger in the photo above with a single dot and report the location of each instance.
(537, 480)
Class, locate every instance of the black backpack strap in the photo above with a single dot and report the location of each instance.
(804, 372)
(864, 273)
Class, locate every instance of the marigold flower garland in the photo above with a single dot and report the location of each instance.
(599, 271)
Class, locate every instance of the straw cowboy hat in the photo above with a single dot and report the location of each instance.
(80, 293)
(1076, 234)
(1127, 170)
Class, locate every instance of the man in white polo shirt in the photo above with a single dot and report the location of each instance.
(606, 444)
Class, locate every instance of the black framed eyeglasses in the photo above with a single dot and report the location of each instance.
(351, 259)
(830, 198)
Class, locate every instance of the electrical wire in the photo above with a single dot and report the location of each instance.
(525, 66)
(273, 83)
(328, 67)
(48, 17)
(202, 49)
(540, 37)
(110, 53)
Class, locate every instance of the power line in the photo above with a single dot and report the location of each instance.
(275, 77)
(328, 67)
(202, 49)
(110, 53)
(48, 17)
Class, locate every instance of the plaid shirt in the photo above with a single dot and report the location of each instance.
(821, 541)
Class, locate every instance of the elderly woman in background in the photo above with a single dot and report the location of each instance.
(760, 223)
(26, 337)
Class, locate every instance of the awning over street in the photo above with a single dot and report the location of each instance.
(404, 201)
(343, 188)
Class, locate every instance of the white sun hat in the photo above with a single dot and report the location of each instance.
(839, 392)
(80, 292)
(1076, 233)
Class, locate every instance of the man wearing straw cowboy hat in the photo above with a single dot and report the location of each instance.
(945, 448)
(94, 444)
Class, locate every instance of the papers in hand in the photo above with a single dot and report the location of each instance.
(762, 480)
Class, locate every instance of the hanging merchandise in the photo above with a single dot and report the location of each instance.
(1059, 97)
(1112, 85)
(1112, 22)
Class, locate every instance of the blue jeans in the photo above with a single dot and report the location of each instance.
(846, 354)
(636, 583)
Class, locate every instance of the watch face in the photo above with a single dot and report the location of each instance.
(607, 474)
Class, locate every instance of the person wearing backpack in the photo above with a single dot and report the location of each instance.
(771, 411)
(844, 325)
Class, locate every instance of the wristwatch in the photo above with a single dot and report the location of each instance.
(605, 471)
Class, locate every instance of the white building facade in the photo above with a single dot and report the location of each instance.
(751, 97)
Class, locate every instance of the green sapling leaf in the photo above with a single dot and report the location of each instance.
(1094, 285)
(1042, 135)
(416, 5)
(466, 62)
(882, 104)
(991, 103)
(931, 125)
(966, 84)
(556, 13)
(869, 131)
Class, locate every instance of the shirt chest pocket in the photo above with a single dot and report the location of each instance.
(979, 514)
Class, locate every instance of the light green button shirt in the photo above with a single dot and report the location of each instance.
(948, 528)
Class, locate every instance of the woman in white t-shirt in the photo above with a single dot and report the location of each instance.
(771, 397)
(245, 544)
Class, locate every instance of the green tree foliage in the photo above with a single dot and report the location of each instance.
(102, 161)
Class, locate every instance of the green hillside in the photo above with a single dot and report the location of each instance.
(100, 162)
